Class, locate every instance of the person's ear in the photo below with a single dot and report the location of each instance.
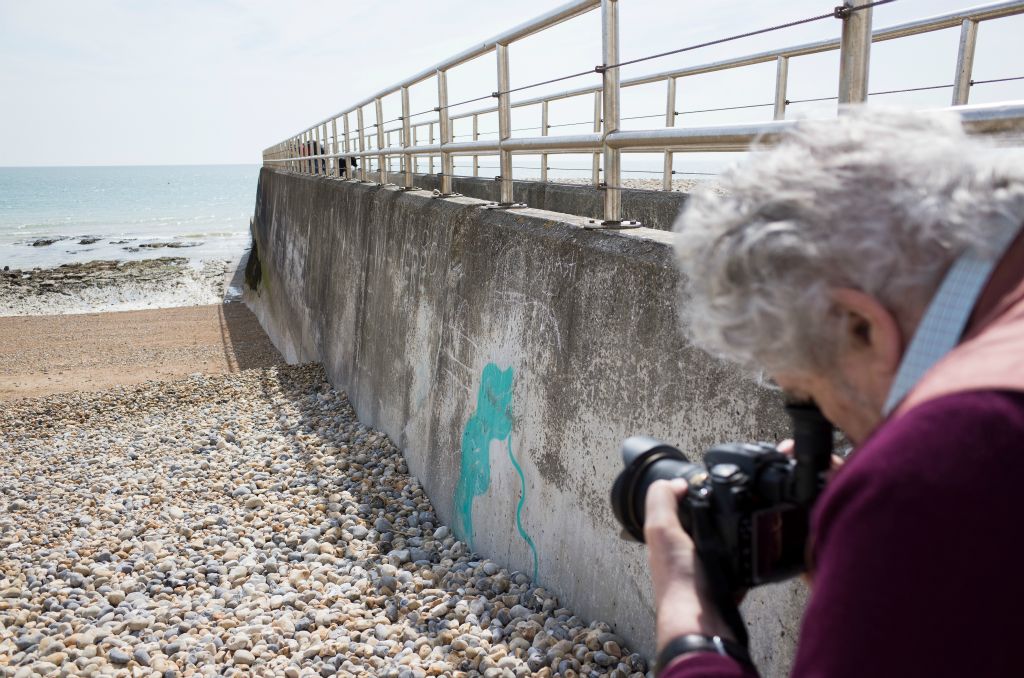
(871, 329)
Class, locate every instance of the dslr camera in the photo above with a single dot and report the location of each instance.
(748, 506)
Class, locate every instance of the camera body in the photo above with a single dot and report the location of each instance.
(747, 507)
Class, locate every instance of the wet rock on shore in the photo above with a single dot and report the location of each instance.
(93, 285)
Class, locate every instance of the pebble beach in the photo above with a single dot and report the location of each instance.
(248, 524)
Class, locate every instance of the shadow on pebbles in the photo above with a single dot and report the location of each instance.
(247, 524)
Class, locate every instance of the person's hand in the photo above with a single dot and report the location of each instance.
(681, 596)
(787, 447)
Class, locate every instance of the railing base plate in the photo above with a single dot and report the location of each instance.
(504, 205)
(595, 225)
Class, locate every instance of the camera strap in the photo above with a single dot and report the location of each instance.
(714, 557)
(946, 317)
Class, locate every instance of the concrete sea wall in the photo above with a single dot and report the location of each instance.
(508, 353)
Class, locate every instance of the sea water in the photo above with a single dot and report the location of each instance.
(204, 210)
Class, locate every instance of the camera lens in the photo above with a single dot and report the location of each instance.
(646, 461)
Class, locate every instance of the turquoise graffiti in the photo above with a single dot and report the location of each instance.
(492, 421)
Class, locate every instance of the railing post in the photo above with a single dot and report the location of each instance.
(314, 132)
(544, 133)
(334, 147)
(349, 174)
(430, 156)
(595, 165)
(476, 137)
(362, 143)
(443, 126)
(670, 121)
(405, 137)
(855, 53)
(382, 161)
(612, 156)
(504, 125)
(781, 84)
(415, 141)
(965, 62)
(305, 152)
(324, 150)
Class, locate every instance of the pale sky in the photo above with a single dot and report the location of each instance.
(194, 82)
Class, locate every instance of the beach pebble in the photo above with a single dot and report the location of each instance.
(244, 658)
(141, 656)
(118, 656)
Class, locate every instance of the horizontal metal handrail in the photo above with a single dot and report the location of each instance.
(320, 151)
(997, 118)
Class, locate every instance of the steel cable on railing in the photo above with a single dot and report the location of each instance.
(515, 129)
(470, 176)
(559, 169)
(543, 82)
(587, 169)
(724, 108)
(571, 124)
(498, 178)
(871, 94)
(907, 89)
(988, 82)
(839, 12)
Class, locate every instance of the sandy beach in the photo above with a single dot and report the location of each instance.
(40, 355)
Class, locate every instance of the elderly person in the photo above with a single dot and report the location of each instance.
(874, 265)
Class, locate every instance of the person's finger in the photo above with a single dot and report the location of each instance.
(787, 446)
(661, 507)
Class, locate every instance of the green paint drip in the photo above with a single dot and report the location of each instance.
(491, 421)
(519, 507)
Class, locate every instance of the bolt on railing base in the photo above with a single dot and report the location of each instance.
(439, 194)
(504, 205)
(595, 225)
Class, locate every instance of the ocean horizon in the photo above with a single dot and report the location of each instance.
(124, 212)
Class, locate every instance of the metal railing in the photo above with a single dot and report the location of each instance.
(317, 151)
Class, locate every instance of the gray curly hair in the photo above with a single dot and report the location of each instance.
(881, 201)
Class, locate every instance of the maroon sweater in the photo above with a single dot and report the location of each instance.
(918, 551)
